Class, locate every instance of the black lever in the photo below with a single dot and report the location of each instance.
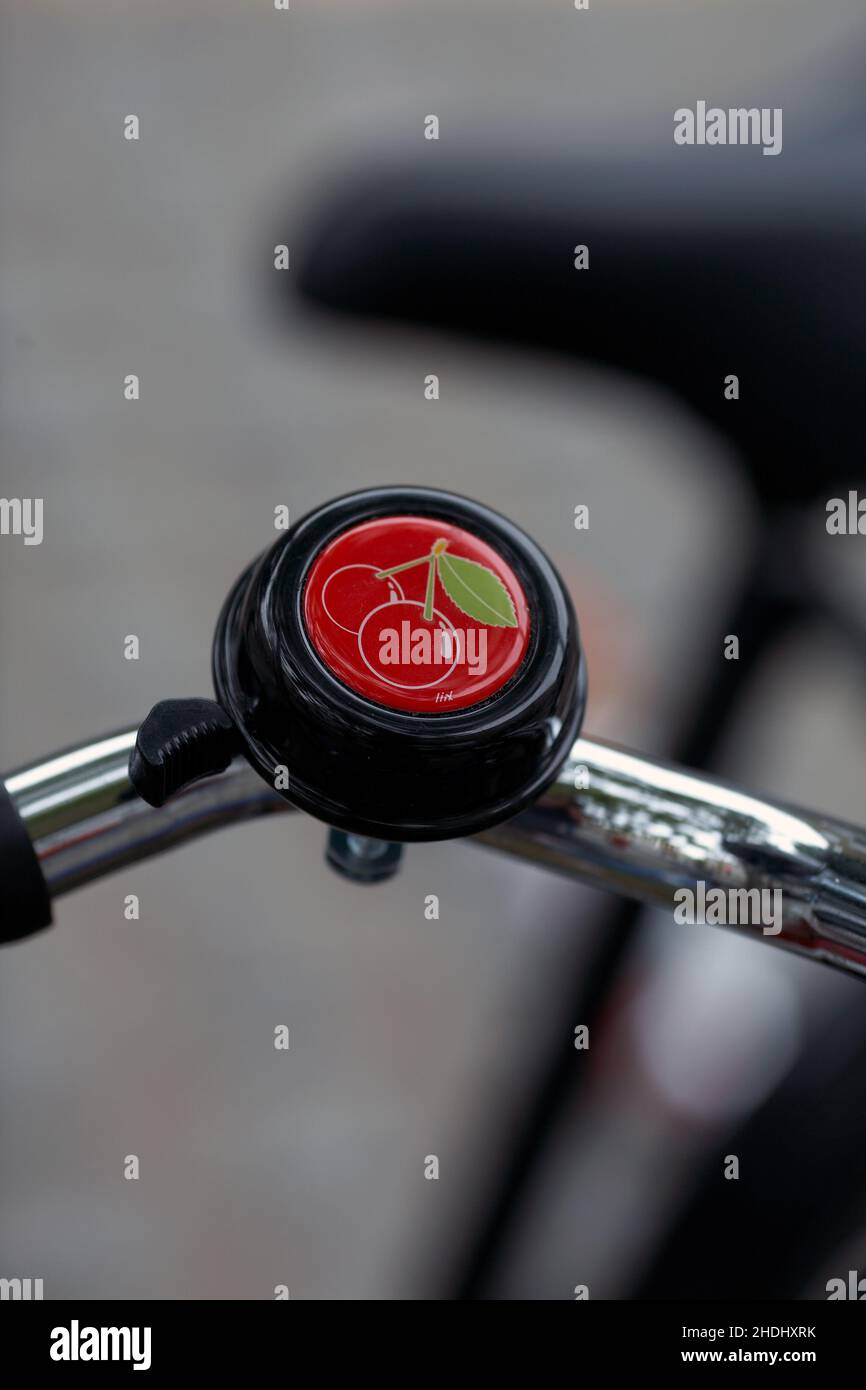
(179, 742)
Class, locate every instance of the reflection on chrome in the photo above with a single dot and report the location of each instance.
(612, 818)
(644, 829)
(86, 820)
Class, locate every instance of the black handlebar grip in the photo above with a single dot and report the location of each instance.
(25, 904)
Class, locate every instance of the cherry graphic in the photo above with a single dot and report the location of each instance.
(401, 646)
(352, 591)
(472, 587)
(381, 599)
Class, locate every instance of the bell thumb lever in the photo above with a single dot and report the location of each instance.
(179, 742)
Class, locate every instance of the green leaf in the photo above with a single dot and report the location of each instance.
(476, 591)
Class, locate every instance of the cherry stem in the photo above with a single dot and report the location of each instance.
(431, 584)
(432, 561)
(398, 569)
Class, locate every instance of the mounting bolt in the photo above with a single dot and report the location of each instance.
(361, 859)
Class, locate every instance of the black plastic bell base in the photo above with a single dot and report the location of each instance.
(385, 773)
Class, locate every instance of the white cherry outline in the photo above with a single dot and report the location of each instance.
(399, 597)
(402, 685)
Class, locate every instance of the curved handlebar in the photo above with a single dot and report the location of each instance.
(613, 819)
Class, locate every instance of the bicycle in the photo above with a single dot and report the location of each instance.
(539, 790)
(641, 828)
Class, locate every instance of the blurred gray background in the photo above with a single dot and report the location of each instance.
(408, 1037)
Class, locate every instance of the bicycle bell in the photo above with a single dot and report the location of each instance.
(403, 663)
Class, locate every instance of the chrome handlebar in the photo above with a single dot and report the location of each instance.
(86, 820)
(612, 818)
